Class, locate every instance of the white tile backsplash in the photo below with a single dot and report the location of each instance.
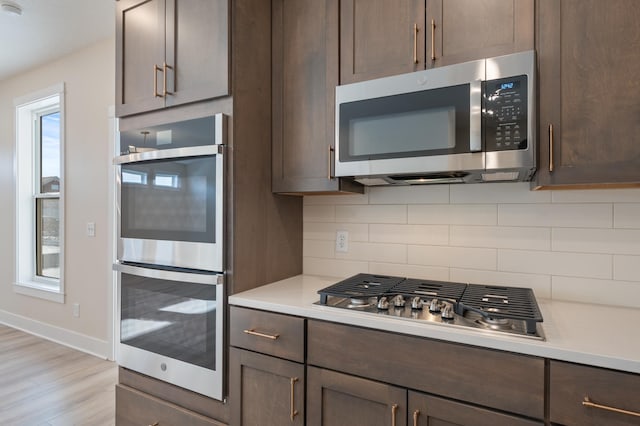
(416, 194)
(626, 268)
(457, 257)
(500, 237)
(569, 245)
(450, 214)
(626, 216)
(409, 234)
(371, 213)
(327, 231)
(556, 263)
(561, 215)
(612, 241)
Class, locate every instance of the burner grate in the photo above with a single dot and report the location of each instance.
(360, 286)
(514, 303)
(430, 289)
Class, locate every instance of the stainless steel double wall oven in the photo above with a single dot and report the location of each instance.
(171, 252)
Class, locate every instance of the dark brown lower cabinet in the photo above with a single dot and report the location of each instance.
(336, 399)
(590, 396)
(427, 410)
(135, 408)
(265, 390)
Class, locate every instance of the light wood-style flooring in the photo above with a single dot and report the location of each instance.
(46, 384)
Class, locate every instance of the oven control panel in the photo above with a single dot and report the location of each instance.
(504, 112)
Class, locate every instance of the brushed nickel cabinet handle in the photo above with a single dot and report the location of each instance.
(550, 147)
(433, 39)
(154, 424)
(394, 411)
(156, 68)
(415, 43)
(588, 403)
(331, 149)
(164, 77)
(416, 414)
(253, 332)
(293, 412)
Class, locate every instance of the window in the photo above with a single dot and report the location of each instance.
(39, 194)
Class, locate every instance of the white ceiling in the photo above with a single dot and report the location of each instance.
(48, 29)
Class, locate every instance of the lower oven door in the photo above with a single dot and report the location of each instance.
(171, 326)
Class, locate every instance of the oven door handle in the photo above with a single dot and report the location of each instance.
(162, 154)
(163, 274)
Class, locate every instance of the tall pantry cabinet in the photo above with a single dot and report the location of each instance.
(184, 59)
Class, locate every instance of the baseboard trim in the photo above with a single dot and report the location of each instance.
(72, 339)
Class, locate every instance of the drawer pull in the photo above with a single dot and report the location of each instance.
(416, 414)
(588, 403)
(265, 335)
(154, 424)
(293, 412)
(394, 412)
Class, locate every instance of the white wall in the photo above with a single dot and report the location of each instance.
(571, 245)
(89, 77)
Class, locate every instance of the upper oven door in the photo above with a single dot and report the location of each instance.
(426, 121)
(171, 207)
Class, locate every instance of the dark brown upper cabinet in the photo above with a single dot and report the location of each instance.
(170, 52)
(379, 38)
(305, 73)
(589, 63)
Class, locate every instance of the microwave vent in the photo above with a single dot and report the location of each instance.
(500, 176)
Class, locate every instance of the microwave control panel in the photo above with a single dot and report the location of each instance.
(505, 113)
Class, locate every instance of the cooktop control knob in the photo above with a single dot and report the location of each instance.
(447, 312)
(398, 301)
(434, 306)
(416, 303)
(383, 303)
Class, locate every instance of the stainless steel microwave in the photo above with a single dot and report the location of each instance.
(464, 123)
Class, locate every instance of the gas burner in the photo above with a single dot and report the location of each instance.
(358, 303)
(503, 310)
(495, 323)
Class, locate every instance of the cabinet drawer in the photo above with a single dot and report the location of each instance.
(268, 333)
(134, 408)
(496, 379)
(570, 384)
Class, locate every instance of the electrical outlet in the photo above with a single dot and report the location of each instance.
(91, 229)
(342, 241)
(76, 310)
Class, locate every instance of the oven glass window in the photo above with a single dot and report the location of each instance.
(430, 122)
(169, 200)
(170, 318)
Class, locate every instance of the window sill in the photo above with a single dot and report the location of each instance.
(39, 290)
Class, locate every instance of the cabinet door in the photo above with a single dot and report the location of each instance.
(427, 410)
(265, 390)
(380, 38)
(197, 50)
(139, 50)
(589, 63)
(336, 399)
(305, 74)
(465, 30)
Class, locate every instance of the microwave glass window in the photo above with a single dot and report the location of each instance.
(429, 122)
(409, 131)
(169, 200)
(170, 318)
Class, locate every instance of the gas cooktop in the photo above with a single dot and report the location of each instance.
(494, 309)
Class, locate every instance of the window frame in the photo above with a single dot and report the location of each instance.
(27, 170)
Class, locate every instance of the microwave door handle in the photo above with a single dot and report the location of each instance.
(475, 116)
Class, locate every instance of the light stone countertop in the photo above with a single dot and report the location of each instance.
(597, 335)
